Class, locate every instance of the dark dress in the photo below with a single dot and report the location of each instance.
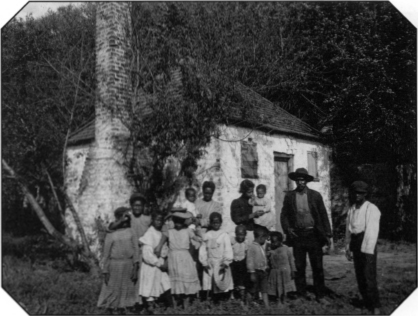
(240, 212)
(119, 255)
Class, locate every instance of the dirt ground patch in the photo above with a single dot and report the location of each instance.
(42, 288)
(397, 274)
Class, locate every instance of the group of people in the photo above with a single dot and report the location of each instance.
(186, 254)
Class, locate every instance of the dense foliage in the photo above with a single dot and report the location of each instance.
(348, 67)
(47, 91)
(345, 67)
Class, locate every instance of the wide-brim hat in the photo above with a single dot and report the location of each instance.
(138, 196)
(175, 209)
(184, 215)
(359, 186)
(120, 211)
(222, 280)
(301, 173)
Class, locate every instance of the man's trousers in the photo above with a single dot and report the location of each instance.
(308, 242)
(365, 267)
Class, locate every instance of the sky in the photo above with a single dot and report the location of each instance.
(40, 8)
(20, 7)
(408, 7)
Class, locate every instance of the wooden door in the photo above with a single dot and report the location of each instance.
(282, 166)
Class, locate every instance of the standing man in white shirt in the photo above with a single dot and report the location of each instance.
(362, 231)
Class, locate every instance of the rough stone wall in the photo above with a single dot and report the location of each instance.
(228, 177)
(103, 185)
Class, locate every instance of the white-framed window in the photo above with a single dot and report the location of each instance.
(249, 160)
(313, 164)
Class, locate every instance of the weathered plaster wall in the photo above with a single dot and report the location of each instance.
(76, 160)
(228, 178)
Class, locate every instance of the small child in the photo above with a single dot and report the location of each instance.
(153, 280)
(283, 268)
(120, 266)
(190, 194)
(257, 265)
(239, 265)
(181, 267)
(216, 255)
(262, 203)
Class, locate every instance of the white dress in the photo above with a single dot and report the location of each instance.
(215, 250)
(153, 282)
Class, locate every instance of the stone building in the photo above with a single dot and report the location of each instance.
(96, 179)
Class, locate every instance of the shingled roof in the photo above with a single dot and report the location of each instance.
(264, 115)
(268, 116)
(84, 134)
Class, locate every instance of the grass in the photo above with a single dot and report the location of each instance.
(47, 286)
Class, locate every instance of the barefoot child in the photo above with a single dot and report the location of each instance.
(120, 266)
(257, 265)
(239, 265)
(153, 280)
(283, 268)
(216, 255)
(181, 267)
(262, 203)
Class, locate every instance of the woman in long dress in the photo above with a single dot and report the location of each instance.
(120, 266)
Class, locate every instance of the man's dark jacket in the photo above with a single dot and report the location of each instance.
(318, 211)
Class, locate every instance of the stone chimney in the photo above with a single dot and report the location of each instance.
(104, 185)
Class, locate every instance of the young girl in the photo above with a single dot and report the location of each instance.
(283, 269)
(262, 203)
(181, 267)
(216, 255)
(120, 266)
(153, 280)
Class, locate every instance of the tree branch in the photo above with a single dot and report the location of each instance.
(38, 210)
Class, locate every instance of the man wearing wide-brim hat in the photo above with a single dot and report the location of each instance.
(305, 222)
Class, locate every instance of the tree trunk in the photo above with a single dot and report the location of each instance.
(54, 192)
(87, 255)
(38, 210)
(79, 225)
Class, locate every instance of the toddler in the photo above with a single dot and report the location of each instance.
(283, 268)
(262, 203)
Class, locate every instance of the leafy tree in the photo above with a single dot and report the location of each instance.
(346, 66)
(47, 91)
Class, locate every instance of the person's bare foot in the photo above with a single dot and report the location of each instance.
(244, 306)
(323, 301)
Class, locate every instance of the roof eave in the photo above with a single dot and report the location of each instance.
(274, 130)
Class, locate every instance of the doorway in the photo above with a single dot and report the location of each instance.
(283, 165)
